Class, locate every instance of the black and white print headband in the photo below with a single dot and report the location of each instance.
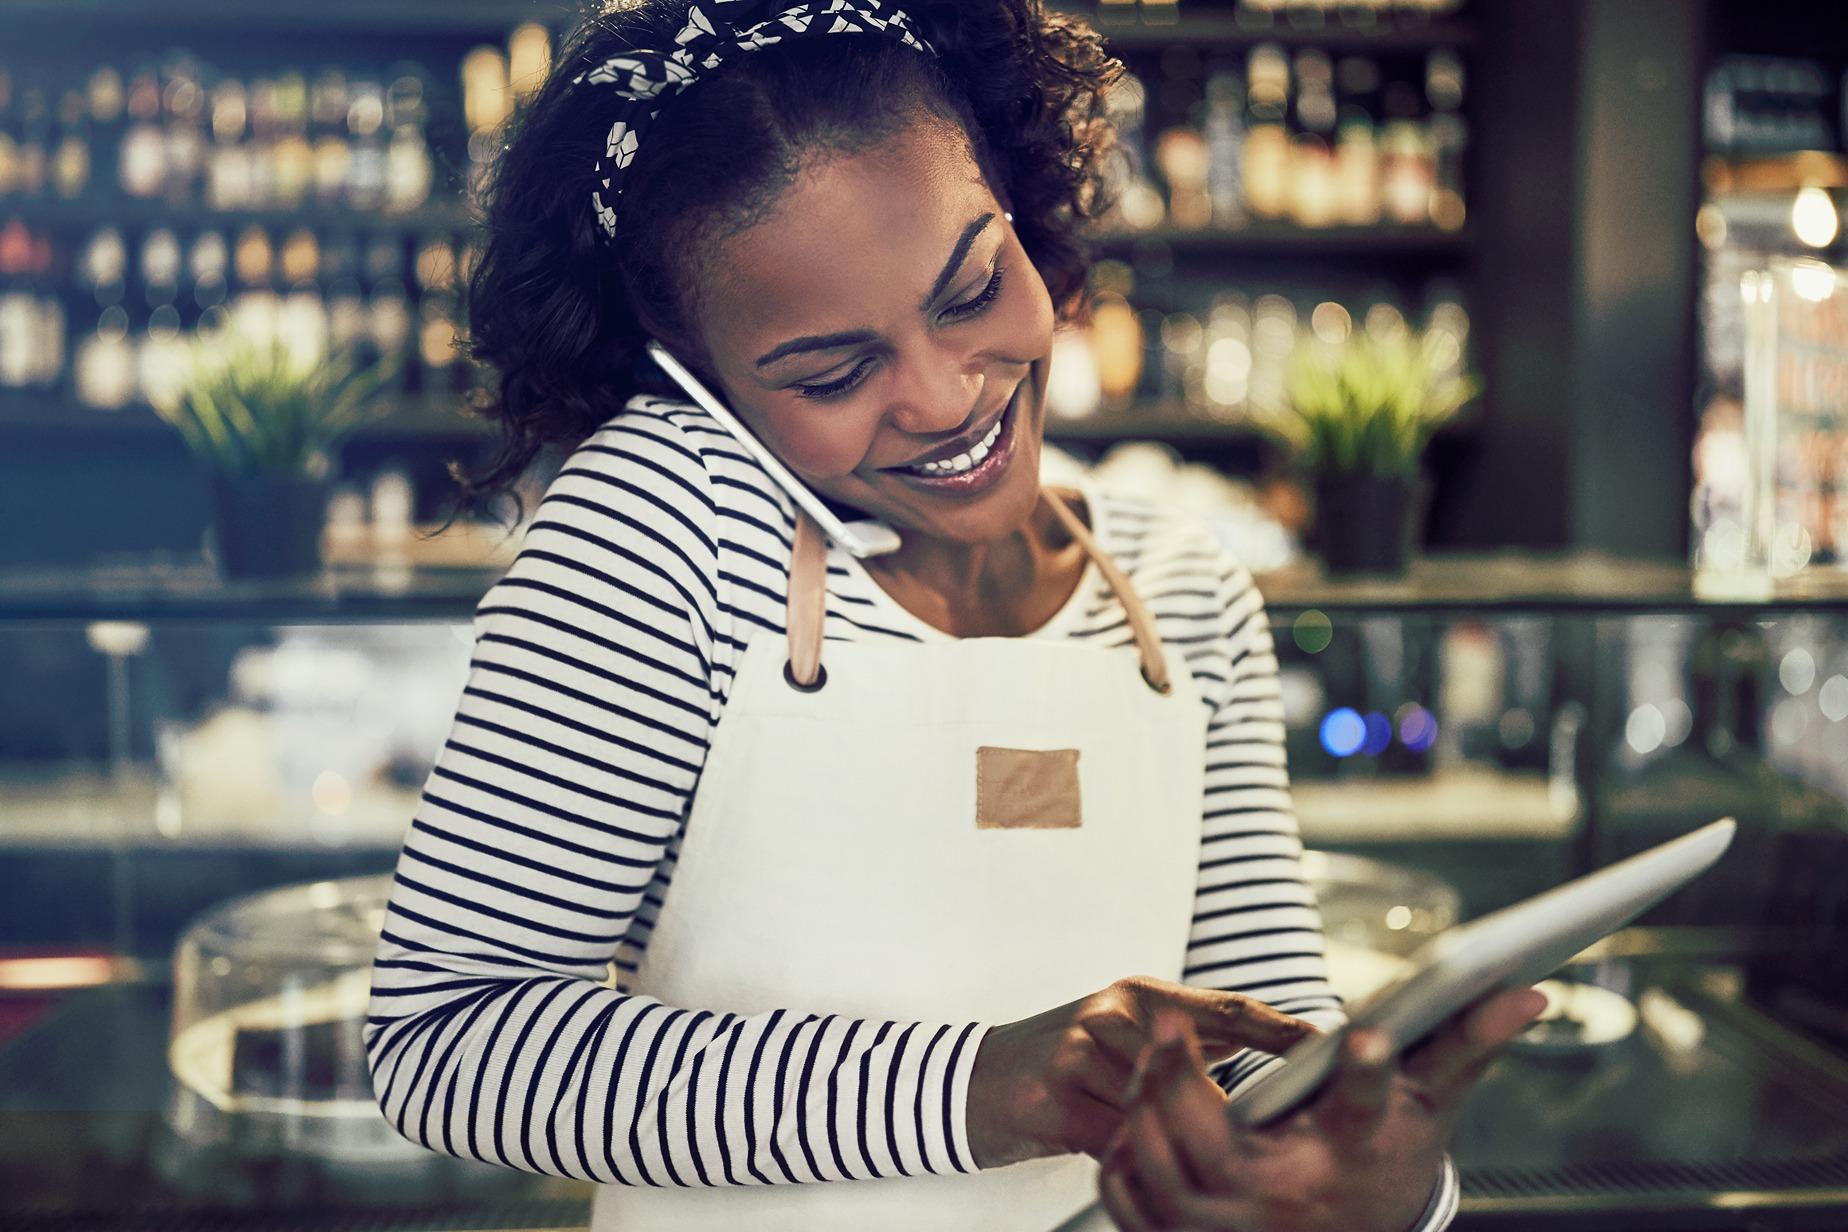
(715, 31)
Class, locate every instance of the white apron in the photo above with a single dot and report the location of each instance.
(833, 863)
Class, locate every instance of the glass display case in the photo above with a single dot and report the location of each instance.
(1458, 739)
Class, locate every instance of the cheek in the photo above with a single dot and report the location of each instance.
(820, 442)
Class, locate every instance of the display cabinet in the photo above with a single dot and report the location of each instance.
(1482, 728)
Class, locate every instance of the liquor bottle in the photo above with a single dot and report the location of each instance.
(35, 141)
(347, 322)
(1357, 151)
(1407, 171)
(260, 141)
(1447, 134)
(365, 119)
(142, 156)
(229, 184)
(254, 305)
(302, 317)
(410, 172)
(529, 61)
(1225, 145)
(294, 157)
(208, 265)
(1116, 334)
(328, 100)
(438, 329)
(1267, 140)
(105, 97)
(18, 308)
(104, 366)
(9, 140)
(1137, 204)
(1312, 157)
(1180, 153)
(183, 110)
(70, 159)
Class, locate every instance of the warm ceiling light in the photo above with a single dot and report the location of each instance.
(1813, 217)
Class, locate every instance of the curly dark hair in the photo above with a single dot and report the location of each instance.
(560, 312)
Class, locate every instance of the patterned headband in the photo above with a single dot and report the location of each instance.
(716, 31)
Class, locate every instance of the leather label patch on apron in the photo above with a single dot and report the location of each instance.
(1026, 789)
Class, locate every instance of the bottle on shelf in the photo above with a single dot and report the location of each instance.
(1357, 151)
(159, 347)
(410, 171)
(70, 159)
(35, 141)
(142, 155)
(1266, 172)
(183, 108)
(328, 100)
(292, 156)
(1225, 145)
(230, 174)
(1312, 156)
(9, 139)
(1116, 335)
(105, 100)
(365, 120)
(1447, 134)
(1408, 172)
(103, 361)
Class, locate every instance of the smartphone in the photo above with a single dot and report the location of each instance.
(863, 538)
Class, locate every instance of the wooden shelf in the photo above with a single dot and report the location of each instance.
(1226, 31)
(85, 213)
(1776, 173)
(487, 18)
(1270, 239)
(435, 419)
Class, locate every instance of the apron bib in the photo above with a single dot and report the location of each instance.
(972, 829)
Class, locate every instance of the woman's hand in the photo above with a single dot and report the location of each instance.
(1056, 1083)
(1362, 1157)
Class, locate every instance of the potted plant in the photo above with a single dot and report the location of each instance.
(1358, 414)
(264, 417)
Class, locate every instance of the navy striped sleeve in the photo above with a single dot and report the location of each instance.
(497, 1031)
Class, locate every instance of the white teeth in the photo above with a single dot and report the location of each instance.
(962, 461)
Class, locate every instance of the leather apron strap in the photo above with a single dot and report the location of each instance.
(808, 600)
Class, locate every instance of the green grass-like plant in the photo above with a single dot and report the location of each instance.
(1369, 404)
(250, 405)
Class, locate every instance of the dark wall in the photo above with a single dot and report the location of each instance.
(1584, 187)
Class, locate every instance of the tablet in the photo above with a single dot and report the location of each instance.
(1504, 949)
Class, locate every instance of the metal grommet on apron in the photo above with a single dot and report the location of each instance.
(957, 830)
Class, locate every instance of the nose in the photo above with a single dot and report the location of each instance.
(938, 394)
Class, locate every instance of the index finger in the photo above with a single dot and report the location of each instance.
(1225, 1021)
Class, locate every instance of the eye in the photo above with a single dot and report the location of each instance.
(974, 305)
(832, 389)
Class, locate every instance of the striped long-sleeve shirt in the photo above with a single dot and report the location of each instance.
(502, 1024)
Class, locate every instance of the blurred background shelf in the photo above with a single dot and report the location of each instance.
(1284, 240)
(1227, 31)
(135, 214)
(409, 17)
(404, 417)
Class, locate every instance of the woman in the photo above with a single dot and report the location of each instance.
(902, 870)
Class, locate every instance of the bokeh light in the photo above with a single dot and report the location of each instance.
(1417, 727)
(1379, 734)
(1313, 631)
(1343, 731)
(1645, 729)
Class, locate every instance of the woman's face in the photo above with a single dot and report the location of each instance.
(874, 329)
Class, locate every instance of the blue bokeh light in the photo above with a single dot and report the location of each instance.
(1417, 727)
(1379, 734)
(1343, 731)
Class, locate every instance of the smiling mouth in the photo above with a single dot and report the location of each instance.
(977, 467)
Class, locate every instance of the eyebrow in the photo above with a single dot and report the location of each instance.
(826, 342)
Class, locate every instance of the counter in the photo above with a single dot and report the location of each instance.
(1710, 1116)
